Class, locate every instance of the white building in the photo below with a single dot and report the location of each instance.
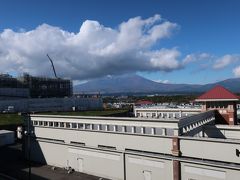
(187, 148)
(164, 112)
(132, 148)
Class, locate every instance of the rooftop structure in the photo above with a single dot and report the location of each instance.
(143, 103)
(223, 101)
(218, 93)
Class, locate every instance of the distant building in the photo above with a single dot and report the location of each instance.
(12, 88)
(223, 101)
(218, 98)
(28, 86)
(40, 94)
(158, 112)
(143, 103)
(42, 87)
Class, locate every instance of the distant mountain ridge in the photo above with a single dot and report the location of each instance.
(138, 84)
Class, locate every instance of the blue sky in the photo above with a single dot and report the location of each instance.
(207, 32)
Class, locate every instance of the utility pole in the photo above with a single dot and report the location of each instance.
(28, 133)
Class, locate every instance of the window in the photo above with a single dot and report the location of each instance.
(121, 128)
(74, 125)
(112, 128)
(100, 127)
(105, 127)
(138, 130)
(88, 126)
(148, 130)
(96, 126)
(67, 125)
(56, 124)
(40, 123)
(45, 123)
(51, 124)
(61, 124)
(80, 126)
(158, 131)
(128, 129)
(35, 122)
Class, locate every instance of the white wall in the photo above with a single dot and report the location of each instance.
(207, 172)
(142, 168)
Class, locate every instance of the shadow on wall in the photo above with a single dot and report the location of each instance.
(213, 132)
(14, 164)
(36, 154)
(220, 119)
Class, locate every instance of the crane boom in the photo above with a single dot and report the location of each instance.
(52, 66)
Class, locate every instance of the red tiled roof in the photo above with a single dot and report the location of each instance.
(218, 92)
(144, 102)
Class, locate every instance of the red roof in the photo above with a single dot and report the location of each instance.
(218, 93)
(144, 102)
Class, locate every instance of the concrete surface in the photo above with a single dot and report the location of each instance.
(13, 166)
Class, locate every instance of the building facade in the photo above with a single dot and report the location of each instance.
(191, 147)
(28, 86)
(11, 87)
(134, 148)
(42, 87)
(223, 101)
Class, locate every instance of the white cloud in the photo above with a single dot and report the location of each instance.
(190, 58)
(225, 61)
(206, 60)
(94, 51)
(162, 81)
(236, 71)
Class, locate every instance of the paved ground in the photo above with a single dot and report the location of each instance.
(14, 166)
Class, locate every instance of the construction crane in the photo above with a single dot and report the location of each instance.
(52, 66)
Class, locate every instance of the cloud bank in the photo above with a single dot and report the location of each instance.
(92, 52)
(225, 60)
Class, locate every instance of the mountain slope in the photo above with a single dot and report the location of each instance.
(129, 83)
(138, 84)
(231, 84)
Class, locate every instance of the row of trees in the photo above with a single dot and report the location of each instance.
(155, 99)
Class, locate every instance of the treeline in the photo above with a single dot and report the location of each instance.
(168, 99)
(155, 99)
